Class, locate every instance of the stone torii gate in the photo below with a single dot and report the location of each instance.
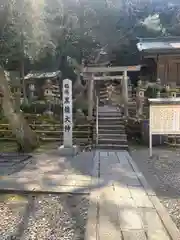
(91, 71)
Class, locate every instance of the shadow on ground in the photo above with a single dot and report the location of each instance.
(56, 171)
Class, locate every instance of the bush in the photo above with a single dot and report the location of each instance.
(57, 109)
(38, 107)
(47, 119)
(83, 105)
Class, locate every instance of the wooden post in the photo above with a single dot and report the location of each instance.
(125, 93)
(90, 98)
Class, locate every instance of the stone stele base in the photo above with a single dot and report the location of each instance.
(68, 151)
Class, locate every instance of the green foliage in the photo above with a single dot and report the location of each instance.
(35, 107)
(46, 33)
(151, 92)
(46, 119)
(82, 105)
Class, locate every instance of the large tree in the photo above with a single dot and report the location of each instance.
(13, 30)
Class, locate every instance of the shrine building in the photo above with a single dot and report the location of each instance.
(161, 59)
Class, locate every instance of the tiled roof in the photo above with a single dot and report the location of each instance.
(38, 75)
(152, 44)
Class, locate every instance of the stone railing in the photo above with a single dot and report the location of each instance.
(82, 134)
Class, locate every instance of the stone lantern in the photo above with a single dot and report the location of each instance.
(158, 86)
(173, 94)
(32, 90)
(48, 95)
(139, 99)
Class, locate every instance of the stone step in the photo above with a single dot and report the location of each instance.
(111, 131)
(117, 141)
(107, 108)
(104, 93)
(103, 98)
(110, 117)
(102, 90)
(131, 103)
(110, 123)
(111, 127)
(112, 146)
(107, 124)
(115, 114)
(121, 136)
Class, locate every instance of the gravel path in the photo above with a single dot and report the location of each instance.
(163, 174)
(43, 217)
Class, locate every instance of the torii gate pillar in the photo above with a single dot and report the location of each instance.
(90, 98)
(125, 93)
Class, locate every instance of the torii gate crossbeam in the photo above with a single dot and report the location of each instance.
(111, 69)
(124, 69)
(118, 77)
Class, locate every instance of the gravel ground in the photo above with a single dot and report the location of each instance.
(163, 174)
(43, 217)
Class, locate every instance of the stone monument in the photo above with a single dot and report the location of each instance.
(67, 148)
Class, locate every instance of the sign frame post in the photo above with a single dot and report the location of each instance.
(164, 118)
(67, 148)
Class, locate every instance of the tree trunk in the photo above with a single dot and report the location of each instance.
(25, 137)
(22, 70)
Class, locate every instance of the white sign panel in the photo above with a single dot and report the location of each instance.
(67, 112)
(165, 119)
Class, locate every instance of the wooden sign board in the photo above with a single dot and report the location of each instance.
(165, 119)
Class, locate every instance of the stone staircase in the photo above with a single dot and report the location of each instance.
(103, 94)
(111, 127)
